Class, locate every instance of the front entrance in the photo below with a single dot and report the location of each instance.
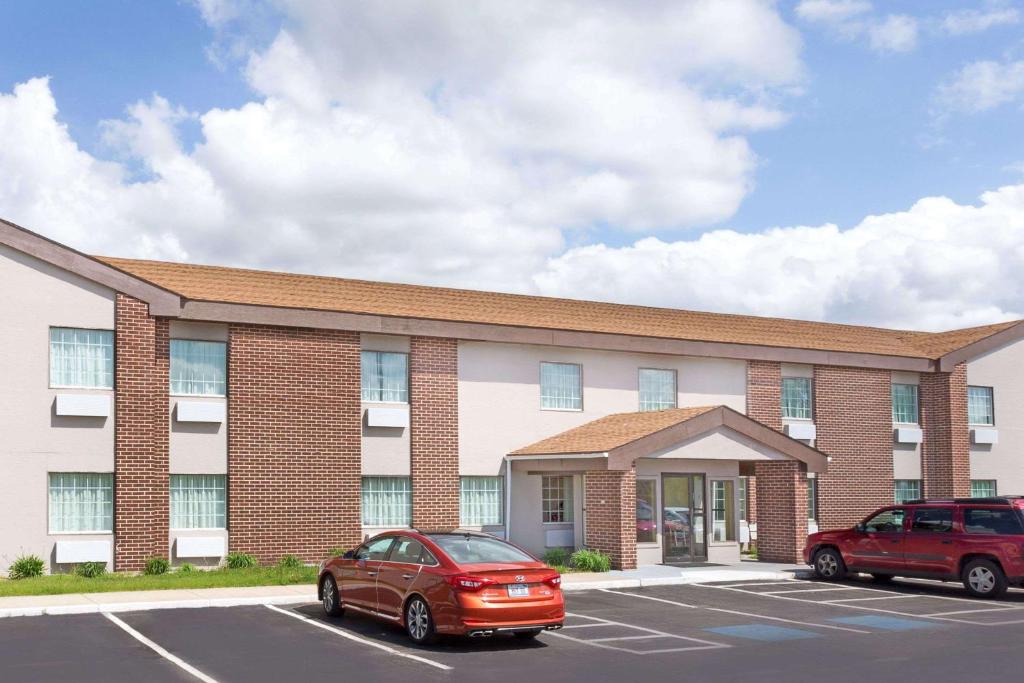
(682, 518)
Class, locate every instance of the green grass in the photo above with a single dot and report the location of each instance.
(219, 578)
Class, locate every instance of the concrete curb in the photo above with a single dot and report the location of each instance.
(570, 586)
(142, 606)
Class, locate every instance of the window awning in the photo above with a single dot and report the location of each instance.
(620, 439)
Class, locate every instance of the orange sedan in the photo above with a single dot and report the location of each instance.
(445, 583)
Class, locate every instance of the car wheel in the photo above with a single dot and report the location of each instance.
(419, 624)
(828, 565)
(329, 597)
(984, 579)
(526, 635)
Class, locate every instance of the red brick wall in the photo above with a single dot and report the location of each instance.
(294, 455)
(611, 515)
(782, 510)
(141, 433)
(434, 421)
(945, 453)
(853, 415)
(764, 404)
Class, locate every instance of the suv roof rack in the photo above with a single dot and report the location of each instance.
(450, 530)
(992, 500)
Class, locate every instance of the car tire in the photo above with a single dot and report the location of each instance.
(419, 623)
(984, 579)
(330, 599)
(526, 635)
(829, 565)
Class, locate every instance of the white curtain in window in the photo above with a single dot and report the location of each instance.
(907, 489)
(198, 368)
(385, 376)
(796, 397)
(983, 488)
(904, 403)
(657, 389)
(481, 500)
(198, 501)
(561, 386)
(81, 358)
(387, 501)
(979, 406)
(81, 502)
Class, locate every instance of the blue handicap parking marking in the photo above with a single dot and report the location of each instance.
(762, 632)
(886, 623)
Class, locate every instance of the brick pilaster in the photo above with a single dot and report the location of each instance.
(294, 452)
(782, 510)
(141, 435)
(611, 515)
(853, 414)
(945, 453)
(434, 436)
(764, 404)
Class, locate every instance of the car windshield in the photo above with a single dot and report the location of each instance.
(479, 549)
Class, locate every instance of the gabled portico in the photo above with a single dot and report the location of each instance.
(662, 486)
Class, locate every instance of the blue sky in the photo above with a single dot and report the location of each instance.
(439, 145)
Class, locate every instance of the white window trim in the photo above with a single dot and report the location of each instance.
(915, 423)
(49, 359)
(808, 420)
(711, 512)
(992, 393)
(408, 380)
(675, 387)
(199, 528)
(571, 509)
(540, 387)
(656, 543)
(175, 394)
(113, 503)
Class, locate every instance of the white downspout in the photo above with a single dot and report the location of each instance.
(508, 499)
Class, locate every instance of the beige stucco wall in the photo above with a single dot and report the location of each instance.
(1003, 370)
(386, 450)
(528, 529)
(34, 440)
(906, 457)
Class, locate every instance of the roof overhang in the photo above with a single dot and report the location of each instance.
(949, 362)
(161, 301)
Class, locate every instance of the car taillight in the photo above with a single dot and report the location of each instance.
(468, 582)
(554, 581)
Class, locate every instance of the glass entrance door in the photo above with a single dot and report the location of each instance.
(682, 518)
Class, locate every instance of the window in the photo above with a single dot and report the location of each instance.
(385, 377)
(812, 498)
(979, 406)
(722, 510)
(376, 549)
(992, 521)
(556, 499)
(646, 523)
(466, 549)
(657, 389)
(904, 404)
(198, 501)
(409, 551)
(888, 521)
(796, 398)
(81, 358)
(744, 497)
(983, 488)
(906, 489)
(481, 500)
(81, 502)
(561, 386)
(936, 520)
(387, 501)
(198, 368)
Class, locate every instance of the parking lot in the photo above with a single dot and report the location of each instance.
(781, 630)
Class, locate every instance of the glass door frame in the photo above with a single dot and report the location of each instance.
(703, 513)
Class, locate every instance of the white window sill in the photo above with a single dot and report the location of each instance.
(648, 545)
(569, 523)
(562, 410)
(385, 403)
(197, 528)
(80, 533)
(62, 387)
(198, 395)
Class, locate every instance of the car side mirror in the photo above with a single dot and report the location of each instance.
(350, 555)
(860, 527)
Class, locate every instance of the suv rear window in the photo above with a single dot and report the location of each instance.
(992, 521)
(478, 549)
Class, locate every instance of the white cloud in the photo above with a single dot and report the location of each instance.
(832, 11)
(896, 33)
(851, 20)
(938, 265)
(969, 21)
(980, 86)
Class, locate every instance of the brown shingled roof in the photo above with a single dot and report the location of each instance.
(612, 431)
(263, 288)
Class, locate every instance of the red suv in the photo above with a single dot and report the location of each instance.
(979, 541)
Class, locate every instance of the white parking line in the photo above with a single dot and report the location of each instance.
(650, 634)
(884, 597)
(788, 582)
(741, 614)
(173, 659)
(809, 590)
(975, 611)
(344, 634)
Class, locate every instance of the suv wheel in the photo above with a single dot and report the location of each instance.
(828, 565)
(984, 579)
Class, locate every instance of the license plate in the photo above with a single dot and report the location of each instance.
(518, 590)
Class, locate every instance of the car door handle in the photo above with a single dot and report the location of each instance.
(895, 540)
(371, 573)
(408, 576)
(947, 543)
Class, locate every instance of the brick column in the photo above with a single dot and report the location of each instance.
(764, 404)
(611, 515)
(294, 452)
(853, 414)
(141, 435)
(945, 453)
(781, 510)
(434, 421)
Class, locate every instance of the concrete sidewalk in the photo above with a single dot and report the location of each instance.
(652, 575)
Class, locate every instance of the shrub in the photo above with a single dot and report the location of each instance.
(556, 557)
(590, 561)
(241, 561)
(186, 568)
(90, 570)
(25, 567)
(336, 552)
(156, 565)
(289, 562)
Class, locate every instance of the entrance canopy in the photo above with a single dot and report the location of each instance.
(712, 431)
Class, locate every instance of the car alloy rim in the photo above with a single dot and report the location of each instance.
(982, 579)
(827, 564)
(328, 595)
(417, 619)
